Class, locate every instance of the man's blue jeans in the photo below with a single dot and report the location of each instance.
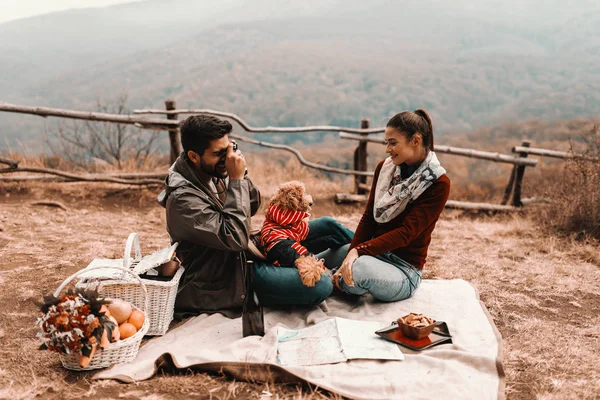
(282, 285)
(387, 277)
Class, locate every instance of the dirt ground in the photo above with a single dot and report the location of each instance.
(543, 292)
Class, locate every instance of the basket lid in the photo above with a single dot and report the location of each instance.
(155, 259)
(137, 266)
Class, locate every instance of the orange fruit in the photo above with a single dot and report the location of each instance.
(137, 319)
(127, 330)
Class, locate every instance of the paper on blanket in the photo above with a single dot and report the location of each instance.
(333, 341)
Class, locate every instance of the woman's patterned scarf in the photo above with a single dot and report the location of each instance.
(393, 194)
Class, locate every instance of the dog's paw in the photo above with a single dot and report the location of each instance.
(310, 268)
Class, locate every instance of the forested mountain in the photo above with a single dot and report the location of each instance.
(470, 63)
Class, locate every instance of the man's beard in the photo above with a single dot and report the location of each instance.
(218, 170)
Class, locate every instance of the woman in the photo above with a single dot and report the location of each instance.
(409, 191)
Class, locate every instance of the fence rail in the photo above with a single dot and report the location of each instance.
(171, 124)
(140, 122)
(266, 129)
(472, 153)
(10, 163)
(85, 178)
(552, 153)
(301, 159)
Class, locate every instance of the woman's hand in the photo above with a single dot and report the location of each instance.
(345, 270)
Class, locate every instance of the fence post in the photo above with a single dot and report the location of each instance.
(174, 137)
(520, 172)
(509, 187)
(360, 160)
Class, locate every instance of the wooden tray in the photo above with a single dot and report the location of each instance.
(440, 335)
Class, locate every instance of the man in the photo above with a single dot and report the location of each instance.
(209, 200)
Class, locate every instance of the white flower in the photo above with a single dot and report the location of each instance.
(78, 332)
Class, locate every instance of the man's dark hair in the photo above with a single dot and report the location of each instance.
(198, 131)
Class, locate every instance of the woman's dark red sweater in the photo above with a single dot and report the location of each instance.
(409, 234)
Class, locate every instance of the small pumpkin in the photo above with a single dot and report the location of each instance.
(127, 330)
(120, 310)
(137, 319)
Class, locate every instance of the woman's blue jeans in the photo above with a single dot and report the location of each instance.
(276, 286)
(387, 277)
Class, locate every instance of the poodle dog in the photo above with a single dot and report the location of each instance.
(285, 227)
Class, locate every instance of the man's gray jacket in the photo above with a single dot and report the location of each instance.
(212, 238)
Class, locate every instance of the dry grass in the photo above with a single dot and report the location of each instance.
(268, 174)
(41, 246)
(543, 290)
(154, 163)
(576, 193)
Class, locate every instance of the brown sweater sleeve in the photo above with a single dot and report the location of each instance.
(424, 211)
(366, 226)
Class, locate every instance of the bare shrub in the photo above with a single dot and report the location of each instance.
(575, 196)
(102, 145)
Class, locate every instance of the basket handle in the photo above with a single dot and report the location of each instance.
(76, 274)
(133, 242)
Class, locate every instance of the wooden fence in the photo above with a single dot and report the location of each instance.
(361, 135)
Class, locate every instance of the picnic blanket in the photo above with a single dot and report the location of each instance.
(469, 368)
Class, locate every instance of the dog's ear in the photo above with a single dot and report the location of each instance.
(304, 199)
(307, 200)
(295, 195)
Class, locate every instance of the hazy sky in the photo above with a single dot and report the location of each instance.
(14, 9)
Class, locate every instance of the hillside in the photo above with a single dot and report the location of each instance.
(318, 63)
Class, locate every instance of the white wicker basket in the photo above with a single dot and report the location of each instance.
(161, 294)
(118, 352)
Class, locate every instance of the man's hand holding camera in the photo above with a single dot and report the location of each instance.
(235, 162)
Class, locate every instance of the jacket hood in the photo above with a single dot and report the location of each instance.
(180, 175)
(285, 218)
